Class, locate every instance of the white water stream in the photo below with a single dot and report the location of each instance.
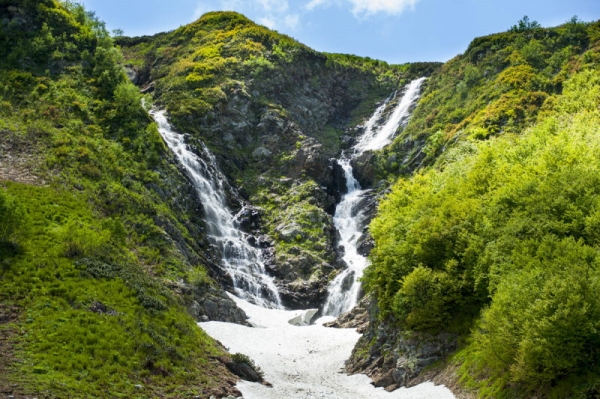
(243, 262)
(350, 218)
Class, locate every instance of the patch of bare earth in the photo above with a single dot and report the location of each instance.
(20, 158)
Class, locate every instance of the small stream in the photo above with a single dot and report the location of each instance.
(242, 262)
(350, 218)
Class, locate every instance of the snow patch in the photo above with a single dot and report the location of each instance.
(303, 362)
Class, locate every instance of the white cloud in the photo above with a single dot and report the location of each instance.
(368, 7)
(292, 21)
(231, 5)
(312, 4)
(277, 6)
(268, 21)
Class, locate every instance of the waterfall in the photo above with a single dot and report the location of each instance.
(240, 260)
(350, 217)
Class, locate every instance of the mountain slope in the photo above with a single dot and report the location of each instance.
(495, 242)
(101, 245)
(275, 112)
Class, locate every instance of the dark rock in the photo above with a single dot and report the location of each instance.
(339, 185)
(363, 169)
(406, 355)
(206, 302)
(244, 371)
(303, 294)
(248, 218)
(100, 308)
(132, 74)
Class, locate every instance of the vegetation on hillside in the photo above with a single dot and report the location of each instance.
(84, 257)
(498, 240)
(500, 85)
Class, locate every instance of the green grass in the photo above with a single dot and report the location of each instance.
(90, 261)
(69, 348)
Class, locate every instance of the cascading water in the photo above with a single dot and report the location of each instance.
(242, 261)
(350, 218)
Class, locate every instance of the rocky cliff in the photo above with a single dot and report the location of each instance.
(276, 113)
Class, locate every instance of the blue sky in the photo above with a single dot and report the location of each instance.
(396, 31)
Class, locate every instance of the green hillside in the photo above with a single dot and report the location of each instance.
(498, 239)
(85, 263)
(487, 238)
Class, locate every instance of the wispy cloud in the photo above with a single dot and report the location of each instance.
(312, 4)
(361, 8)
(368, 7)
(267, 21)
(292, 21)
(274, 6)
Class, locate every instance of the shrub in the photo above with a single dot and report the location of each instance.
(13, 218)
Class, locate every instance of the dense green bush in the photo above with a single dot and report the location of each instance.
(508, 227)
(499, 85)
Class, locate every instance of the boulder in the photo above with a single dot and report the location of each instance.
(304, 318)
(363, 169)
(261, 153)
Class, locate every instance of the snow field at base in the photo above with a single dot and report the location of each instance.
(303, 362)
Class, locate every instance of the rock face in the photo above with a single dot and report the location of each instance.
(274, 131)
(357, 318)
(363, 169)
(393, 358)
(208, 303)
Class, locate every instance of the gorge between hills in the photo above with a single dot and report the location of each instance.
(220, 211)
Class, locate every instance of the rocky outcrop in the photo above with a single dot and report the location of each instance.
(357, 318)
(300, 294)
(393, 358)
(208, 303)
(272, 132)
(364, 170)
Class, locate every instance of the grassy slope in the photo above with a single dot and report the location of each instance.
(84, 271)
(502, 230)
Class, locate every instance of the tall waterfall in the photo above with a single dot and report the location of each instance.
(350, 218)
(243, 262)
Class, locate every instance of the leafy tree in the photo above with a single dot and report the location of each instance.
(525, 25)
(507, 228)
